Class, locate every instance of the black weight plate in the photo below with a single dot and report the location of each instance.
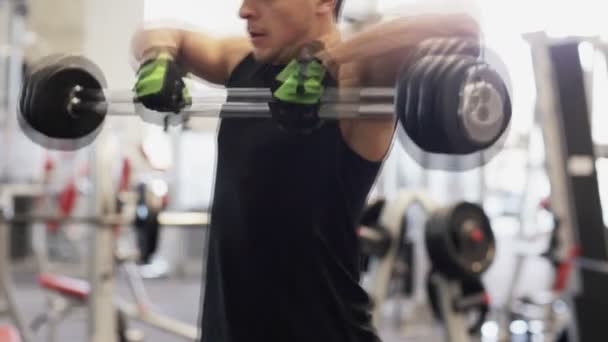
(431, 135)
(70, 72)
(36, 71)
(41, 110)
(401, 94)
(413, 92)
(43, 107)
(445, 232)
(472, 237)
(448, 101)
(424, 89)
(404, 97)
(28, 120)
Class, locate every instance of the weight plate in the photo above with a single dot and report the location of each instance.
(432, 136)
(448, 100)
(460, 241)
(43, 113)
(404, 99)
(485, 107)
(28, 85)
(416, 78)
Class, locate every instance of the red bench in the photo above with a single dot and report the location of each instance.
(9, 334)
(70, 287)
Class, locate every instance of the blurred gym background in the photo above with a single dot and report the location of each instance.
(177, 166)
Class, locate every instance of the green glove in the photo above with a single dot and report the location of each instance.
(301, 82)
(160, 86)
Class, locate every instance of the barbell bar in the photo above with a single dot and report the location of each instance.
(337, 103)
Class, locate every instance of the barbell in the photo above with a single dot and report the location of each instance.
(449, 101)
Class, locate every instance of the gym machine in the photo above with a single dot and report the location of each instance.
(107, 313)
(7, 297)
(441, 261)
(391, 243)
(562, 104)
(101, 310)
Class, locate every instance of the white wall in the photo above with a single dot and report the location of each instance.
(108, 29)
(215, 17)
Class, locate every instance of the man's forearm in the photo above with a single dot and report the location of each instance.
(401, 34)
(208, 57)
(374, 56)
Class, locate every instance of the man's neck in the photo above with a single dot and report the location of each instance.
(327, 37)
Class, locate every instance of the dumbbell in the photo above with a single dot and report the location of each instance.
(448, 102)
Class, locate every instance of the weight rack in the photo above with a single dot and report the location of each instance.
(562, 105)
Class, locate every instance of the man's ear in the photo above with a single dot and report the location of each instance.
(326, 6)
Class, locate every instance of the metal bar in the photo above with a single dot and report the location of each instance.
(102, 313)
(219, 96)
(454, 324)
(159, 321)
(247, 110)
(183, 219)
(6, 286)
(179, 219)
(392, 217)
(601, 150)
(336, 103)
(107, 220)
(136, 285)
(592, 265)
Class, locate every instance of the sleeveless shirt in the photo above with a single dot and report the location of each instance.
(284, 258)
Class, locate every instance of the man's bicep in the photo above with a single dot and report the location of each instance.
(211, 58)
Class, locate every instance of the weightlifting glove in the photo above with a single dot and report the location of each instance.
(160, 85)
(301, 82)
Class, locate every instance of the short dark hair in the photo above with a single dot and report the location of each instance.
(338, 8)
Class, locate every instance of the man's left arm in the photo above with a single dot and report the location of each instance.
(373, 57)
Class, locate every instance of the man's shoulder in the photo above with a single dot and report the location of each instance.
(236, 51)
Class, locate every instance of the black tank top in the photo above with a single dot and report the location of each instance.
(283, 260)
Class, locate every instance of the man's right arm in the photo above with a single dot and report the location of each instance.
(209, 58)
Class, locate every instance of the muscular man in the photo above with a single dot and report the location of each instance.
(283, 263)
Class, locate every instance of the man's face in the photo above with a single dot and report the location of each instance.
(277, 27)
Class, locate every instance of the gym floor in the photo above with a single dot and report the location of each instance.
(184, 307)
(32, 302)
